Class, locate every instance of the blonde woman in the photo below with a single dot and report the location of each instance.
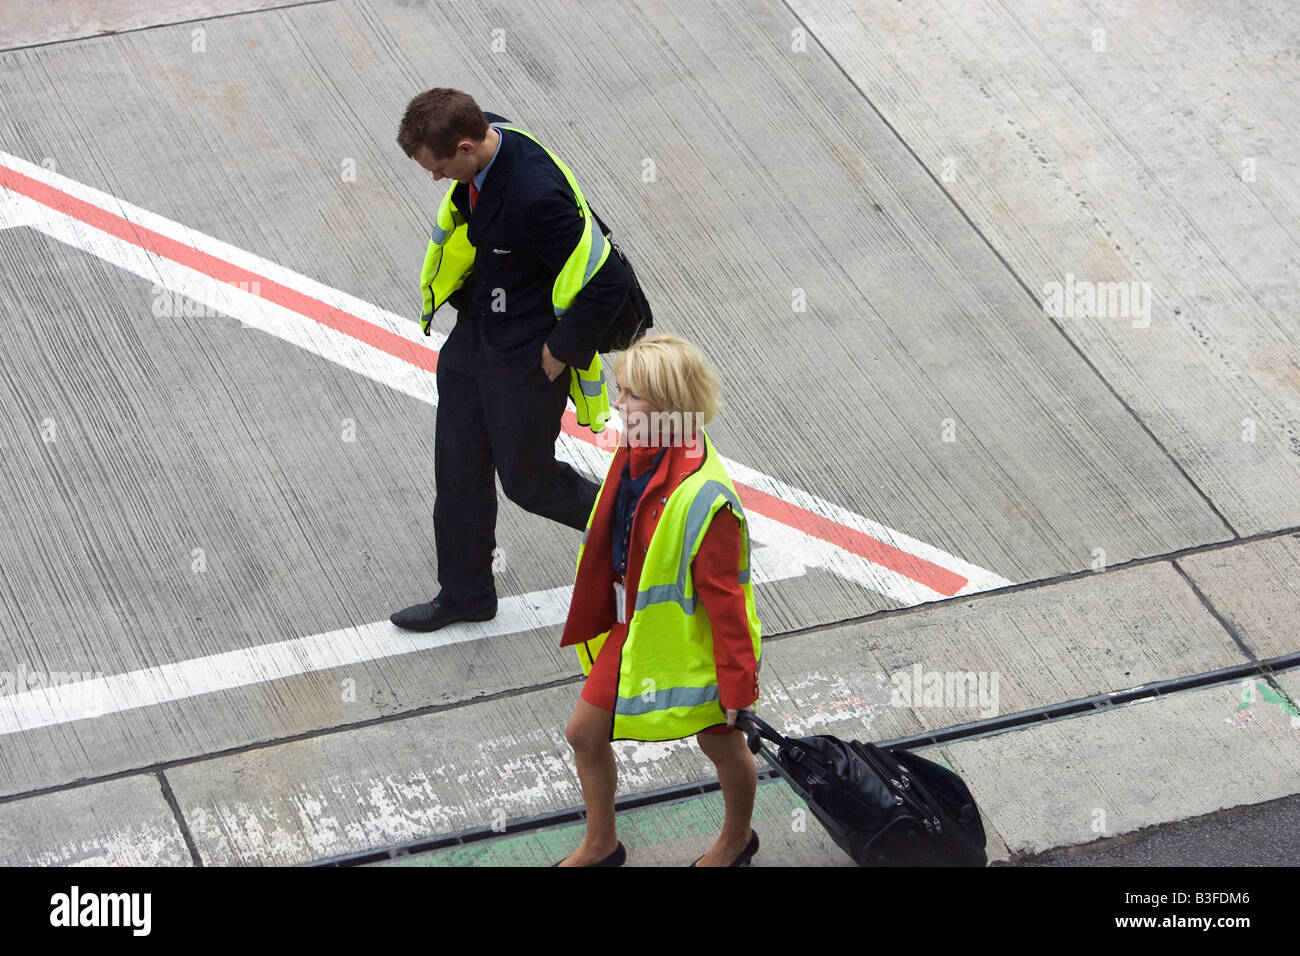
(663, 610)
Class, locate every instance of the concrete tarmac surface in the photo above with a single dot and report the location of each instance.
(1003, 299)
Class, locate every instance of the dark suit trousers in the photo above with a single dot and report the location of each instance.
(491, 421)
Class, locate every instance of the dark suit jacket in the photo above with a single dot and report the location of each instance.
(523, 228)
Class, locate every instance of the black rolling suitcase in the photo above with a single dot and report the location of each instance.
(882, 807)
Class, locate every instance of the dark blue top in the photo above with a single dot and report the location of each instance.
(524, 226)
(630, 491)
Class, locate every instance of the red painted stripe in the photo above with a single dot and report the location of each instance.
(933, 576)
(924, 572)
(219, 269)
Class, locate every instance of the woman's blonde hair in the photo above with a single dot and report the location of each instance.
(671, 374)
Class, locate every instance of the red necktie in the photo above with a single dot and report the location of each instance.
(473, 195)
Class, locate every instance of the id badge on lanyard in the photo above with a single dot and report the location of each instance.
(620, 601)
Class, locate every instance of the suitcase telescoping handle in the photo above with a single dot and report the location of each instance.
(756, 729)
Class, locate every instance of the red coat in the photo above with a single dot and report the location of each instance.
(714, 573)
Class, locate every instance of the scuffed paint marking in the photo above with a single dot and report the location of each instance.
(128, 846)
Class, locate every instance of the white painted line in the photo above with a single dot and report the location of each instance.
(97, 697)
(15, 210)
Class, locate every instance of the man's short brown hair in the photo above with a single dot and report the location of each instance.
(439, 119)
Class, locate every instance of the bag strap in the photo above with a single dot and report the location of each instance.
(754, 728)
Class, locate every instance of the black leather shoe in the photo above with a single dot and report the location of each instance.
(437, 614)
(617, 858)
(746, 854)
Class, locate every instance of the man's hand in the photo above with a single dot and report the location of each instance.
(550, 364)
(731, 717)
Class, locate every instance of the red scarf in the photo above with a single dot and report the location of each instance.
(592, 610)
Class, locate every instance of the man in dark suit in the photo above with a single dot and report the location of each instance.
(503, 376)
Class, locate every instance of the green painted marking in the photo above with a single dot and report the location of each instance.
(1268, 694)
(647, 826)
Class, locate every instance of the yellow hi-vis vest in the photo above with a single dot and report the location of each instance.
(450, 257)
(668, 679)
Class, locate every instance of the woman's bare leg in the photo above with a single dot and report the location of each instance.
(588, 735)
(739, 778)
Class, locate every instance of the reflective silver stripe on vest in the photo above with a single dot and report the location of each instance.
(593, 259)
(592, 389)
(439, 235)
(696, 517)
(664, 699)
(597, 248)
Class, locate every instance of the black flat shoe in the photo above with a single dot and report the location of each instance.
(617, 858)
(436, 614)
(746, 854)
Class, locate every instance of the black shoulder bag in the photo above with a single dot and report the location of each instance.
(634, 317)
